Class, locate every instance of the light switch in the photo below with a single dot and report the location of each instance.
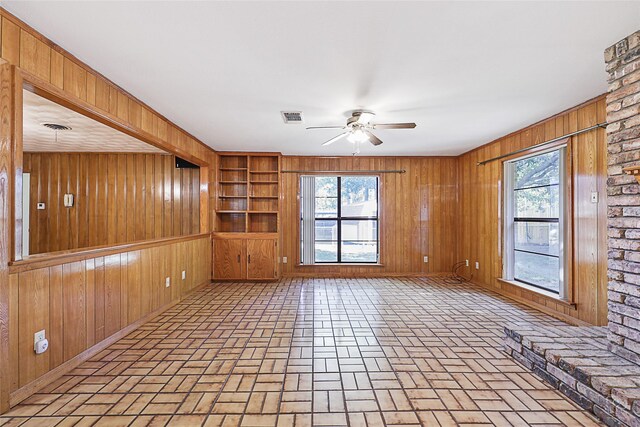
(594, 197)
(425, 258)
(68, 200)
(184, 274)
(40, 206)
(284, 259)
(167, 282)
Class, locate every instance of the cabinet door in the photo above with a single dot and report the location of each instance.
(261, 259)
(228, 259)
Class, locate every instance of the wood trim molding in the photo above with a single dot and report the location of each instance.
(47, 90)
(7, 75)
(56, 258)
(26, 391)
(231, 235)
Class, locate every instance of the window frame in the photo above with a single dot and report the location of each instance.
(339, 219)
(563, 220)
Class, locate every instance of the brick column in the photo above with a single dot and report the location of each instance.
(623, 138)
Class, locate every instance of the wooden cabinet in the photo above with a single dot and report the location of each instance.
(261, 257)
(240, 256)
(228, 256)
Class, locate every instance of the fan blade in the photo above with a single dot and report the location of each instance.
(372, 138)
(326, 127)
(364, 117)
(335, 138)
(395, 126)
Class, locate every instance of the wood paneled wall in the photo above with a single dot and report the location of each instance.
(480, 212)
(60, 286)
(418, 213)
(82, 302)
(119, 198)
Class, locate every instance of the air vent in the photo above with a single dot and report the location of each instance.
(292, 117)
(55, 126)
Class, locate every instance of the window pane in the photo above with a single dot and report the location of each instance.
(326, 186)
(326, 207)
(539, 237)
(360, 230)
(326, 230)
(539, 270)
(326, 252)
(359, 251)
(359, 196)
(541, 202)
(538, 170)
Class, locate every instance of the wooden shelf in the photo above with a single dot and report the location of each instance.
(250, 201)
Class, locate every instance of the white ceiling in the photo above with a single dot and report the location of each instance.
(86, 135)
(465, 72)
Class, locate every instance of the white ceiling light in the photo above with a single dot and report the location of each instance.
(357, 135)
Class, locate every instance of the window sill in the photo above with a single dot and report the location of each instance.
(550, 295)
(341, 264)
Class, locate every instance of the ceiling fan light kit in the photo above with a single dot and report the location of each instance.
(359, 127)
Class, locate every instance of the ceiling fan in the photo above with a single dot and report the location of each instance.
(358, 128)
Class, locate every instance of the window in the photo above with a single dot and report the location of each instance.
(535, 199)
(339, 219)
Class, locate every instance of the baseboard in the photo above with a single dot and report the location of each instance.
(321, 275)
(33, 387)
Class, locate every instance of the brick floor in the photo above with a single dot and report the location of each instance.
(325, 352)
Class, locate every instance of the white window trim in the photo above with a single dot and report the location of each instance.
(563, 221)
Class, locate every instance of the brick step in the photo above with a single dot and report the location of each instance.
(577, 361)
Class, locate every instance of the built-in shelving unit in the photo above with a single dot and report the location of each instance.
(248, 193)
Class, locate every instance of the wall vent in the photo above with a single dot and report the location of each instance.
(292, 117)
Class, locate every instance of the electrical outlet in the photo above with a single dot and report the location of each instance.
(184, 275)
(284, 259)
(477, 265)
(425, 258)
(594, 197)
(38, 336)
(466, 261)
(167, 282)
